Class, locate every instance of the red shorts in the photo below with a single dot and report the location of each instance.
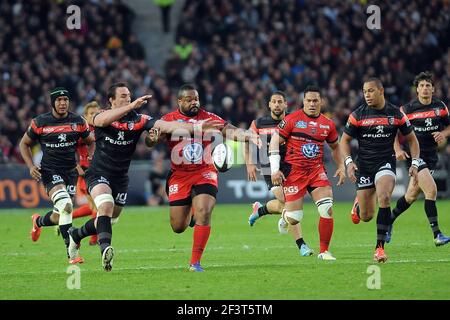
(181, 184)
(81, 185)
(298, 181)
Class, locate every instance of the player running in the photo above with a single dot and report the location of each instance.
(304, 132)
(57, 132)
(265, 127)
(192, 181)
(375, 124)
(430, 120)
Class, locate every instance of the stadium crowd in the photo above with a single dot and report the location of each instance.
(237, 52)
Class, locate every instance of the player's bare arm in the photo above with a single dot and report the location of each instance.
(172, 126)
(232, 133)
(25, 150)
(337, 157)
(152, 137)
(251, 167)
(105, 118)
(415, 153)
(346, 154)
(441, 136)
(400, 154)
(275, 158)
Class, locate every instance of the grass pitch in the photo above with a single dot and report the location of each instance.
(241, 262)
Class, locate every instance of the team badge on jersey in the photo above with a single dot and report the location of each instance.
(130, 125)
(193, 152)
(391, 120)
(282, 124)
(73, 126)
(437, 112)
(310, 150)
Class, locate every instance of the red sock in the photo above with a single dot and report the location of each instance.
(201, 236)
(82, 211)
(325, 233)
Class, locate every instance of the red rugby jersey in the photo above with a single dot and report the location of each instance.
(305, 137)
(83, 151)
(188, 153)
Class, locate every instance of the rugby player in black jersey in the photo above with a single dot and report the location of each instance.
(430, 120)
(265, 127)
(57, 132)
(375, 124)
(117, 132)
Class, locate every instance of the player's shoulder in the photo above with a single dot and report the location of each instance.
(294, 115)
(174, 115)
(438, 103)
(410, 106)
(43, 119)
(74, 117)
(203, 114)
(393, 110)
(360, 110)
(323, 118)
(265, 121)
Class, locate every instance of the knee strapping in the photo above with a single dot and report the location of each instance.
(323, 206)
(103, 198)
(62, 204)
(296, 215)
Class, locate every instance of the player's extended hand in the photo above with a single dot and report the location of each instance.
(141, 100)
(278, 178)
(35, 172)
(153, 135)
(340, 172)
(209, 124)
(413, 172)
(251, 172)
(401, 155)
(438, 137)
(351, 172)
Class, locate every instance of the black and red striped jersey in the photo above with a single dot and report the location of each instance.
(58, 138)
(116, 143)
(265, 127)
(375, 131)
(425, 120)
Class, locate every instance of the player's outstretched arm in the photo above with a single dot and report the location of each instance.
(25, 150)
(171, 126)
(230, 132)
(105, 118)
(275, 158)
(337, 157)
(346, 153)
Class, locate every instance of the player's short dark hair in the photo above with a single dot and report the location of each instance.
(278, 93)
(376, 80)
(312, 89)
(183, 88)
(424, 76)
(112, 90)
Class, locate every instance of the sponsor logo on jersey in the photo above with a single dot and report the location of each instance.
(60, 145)
(380, 129)
(310, 150)
(313, 124)
(324, 126)
(428, 122)
(173, 188)
(193, 152)
(62, 137)
(426, 129)
(301, 125)
(120, 139)
(368, 122)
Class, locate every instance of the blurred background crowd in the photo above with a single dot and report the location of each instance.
(236, 52)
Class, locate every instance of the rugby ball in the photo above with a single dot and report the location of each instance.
(222, 157)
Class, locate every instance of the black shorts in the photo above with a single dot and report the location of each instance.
(51, 178)
(428, 162)
(368, 173)
(118, 184)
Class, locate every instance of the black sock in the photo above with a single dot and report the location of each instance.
(45, 221)
(402, 206)
(262, 211)
(88, 229)
(104, 232)
(299, 242)
(383, 222)
(65, 235)
(357, 210)
(431, 211)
